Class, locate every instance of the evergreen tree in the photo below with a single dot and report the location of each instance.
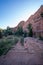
(19, 31)
(30, 30)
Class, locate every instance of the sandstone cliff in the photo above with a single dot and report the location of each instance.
(32, 19)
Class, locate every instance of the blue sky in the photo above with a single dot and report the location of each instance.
(13, 11)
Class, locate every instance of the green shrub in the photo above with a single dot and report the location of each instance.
(15, 40)
(4, 50)
(19, 31)
(6, 44)
(7, 32)
(0, 34)
(40, 37)
(22, 41)
(3, 47)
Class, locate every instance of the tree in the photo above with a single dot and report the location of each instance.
(25, 34)
(19, 31)
(9, 31)
(30, 30)
(42, 14)
(0, 34)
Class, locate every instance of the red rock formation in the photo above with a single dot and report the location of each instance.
(21, 23)
(36, 20)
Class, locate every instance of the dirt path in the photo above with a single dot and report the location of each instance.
(18, 55)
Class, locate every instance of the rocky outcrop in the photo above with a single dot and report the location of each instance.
(36, 20)
(34, 17)
(21, 23)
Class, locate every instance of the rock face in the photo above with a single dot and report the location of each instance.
(30, 20)
(21, 23)
(37, 22)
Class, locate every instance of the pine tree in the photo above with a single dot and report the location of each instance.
(30, 30)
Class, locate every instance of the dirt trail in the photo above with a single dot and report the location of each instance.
(18, 55)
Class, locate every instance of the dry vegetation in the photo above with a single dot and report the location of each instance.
(6, 43)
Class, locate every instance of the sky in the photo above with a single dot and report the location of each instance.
(14, 11)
